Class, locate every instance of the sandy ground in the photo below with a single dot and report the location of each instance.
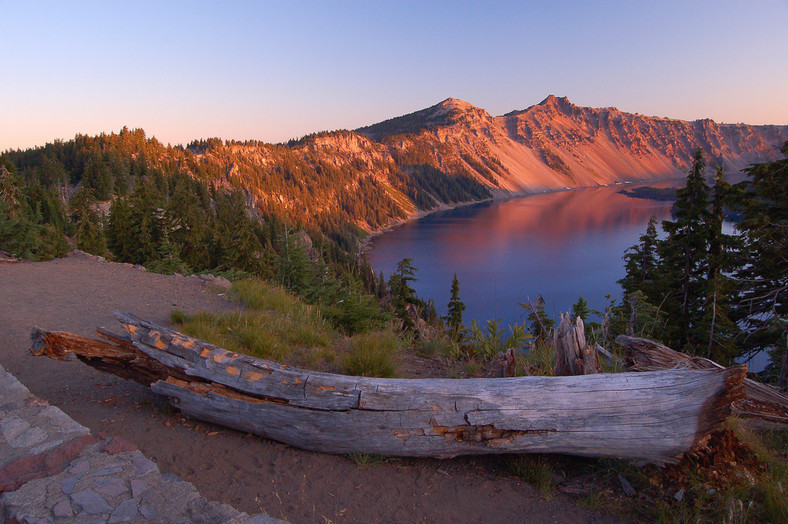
(246, 471)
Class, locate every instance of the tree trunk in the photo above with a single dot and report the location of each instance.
(572, 355)
(760, 401)
(655, 417)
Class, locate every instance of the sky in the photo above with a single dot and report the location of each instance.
(275, 70)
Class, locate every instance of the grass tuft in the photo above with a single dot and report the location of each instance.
(366, 460)
(276, 326)
(373, 354)
(536, 470)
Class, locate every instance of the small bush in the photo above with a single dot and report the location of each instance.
(356, 313)
(539, 359)
(535, 470)
(436, 347)
(366, 460)
(373, 354)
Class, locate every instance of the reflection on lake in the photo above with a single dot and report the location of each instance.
(560, 245)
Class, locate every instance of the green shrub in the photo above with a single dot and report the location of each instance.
(536, 470)
(356, 313)
(373, 354)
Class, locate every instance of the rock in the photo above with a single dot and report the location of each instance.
(214, 280)
(67, 484)
(138, 487)
(111, 470)
(143, 465)
(629, 491)
(117, 445)
(79, 467)
(139, 267)
(63, 510)
(111, 486)
(125, 512)
(8, 257)
(147, 511)
(222, 283)
(91, 502)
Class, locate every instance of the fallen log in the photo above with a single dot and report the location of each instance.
(655, 417)
(760, 401)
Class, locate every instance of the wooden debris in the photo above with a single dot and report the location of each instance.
(609, 358)
(504, 365)
(654, 417)
(760, 401)
(572, 355)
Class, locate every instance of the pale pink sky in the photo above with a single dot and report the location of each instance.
(278, 70)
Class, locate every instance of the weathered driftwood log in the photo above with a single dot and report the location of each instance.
(572, 355)
(609, 358)
(649, 416)
(760, 401)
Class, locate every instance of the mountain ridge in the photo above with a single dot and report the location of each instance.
(556, 144)
(348, 181)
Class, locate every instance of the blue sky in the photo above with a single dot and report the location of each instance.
(277, 70)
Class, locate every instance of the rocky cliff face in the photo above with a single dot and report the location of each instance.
(557, 144)
(454, 152)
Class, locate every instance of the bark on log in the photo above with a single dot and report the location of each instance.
(572, 355)
(760, 401)
(655, 417)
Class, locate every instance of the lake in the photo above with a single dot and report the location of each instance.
(561, 245)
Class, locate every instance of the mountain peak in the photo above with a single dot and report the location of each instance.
(561, 102)
(445, 113)
(456, 104)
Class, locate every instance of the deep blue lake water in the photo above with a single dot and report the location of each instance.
(560, 245)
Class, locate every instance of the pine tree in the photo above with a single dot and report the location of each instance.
(717, 321)
(237, 242)
(762, 266)
(120, 238)
(18, 228)
(541, 326)
(403, 295)
(456, 308)
(640, 262)
(581, 309)
(684, 263)
(87, 222)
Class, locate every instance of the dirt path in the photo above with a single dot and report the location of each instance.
(248, 472)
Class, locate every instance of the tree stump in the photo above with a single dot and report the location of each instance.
(572, 355)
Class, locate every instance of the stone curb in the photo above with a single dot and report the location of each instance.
(53, 469)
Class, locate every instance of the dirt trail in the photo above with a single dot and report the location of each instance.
(250, 473)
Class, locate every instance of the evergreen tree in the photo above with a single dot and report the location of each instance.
(581, 309)
(237, 242)
(456, 308)
(762, 266)
(294, 269)
(541, 326)
(169, 261)
(120, 237)
(87, 222)
(190, 223)
(717, 320)
(684, 262)
(18, 228)
(640, 262)
(403, 295)
(146, 224)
